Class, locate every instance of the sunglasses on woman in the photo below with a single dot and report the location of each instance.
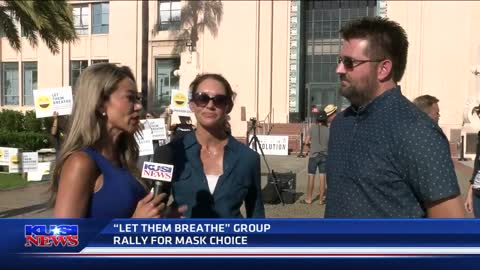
(202, 99)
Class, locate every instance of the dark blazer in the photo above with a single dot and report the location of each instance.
(239, 183)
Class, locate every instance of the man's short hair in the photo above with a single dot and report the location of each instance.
(386, 40)
(425, 102)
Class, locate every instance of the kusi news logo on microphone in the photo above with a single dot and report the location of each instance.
(157, 171)
(53, 235)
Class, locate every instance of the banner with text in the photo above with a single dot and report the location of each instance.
(30, 161)
(271, 144)
(86, 239)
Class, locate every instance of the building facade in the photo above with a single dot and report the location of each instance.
(279, 56)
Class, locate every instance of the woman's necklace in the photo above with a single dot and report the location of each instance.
(211, 152)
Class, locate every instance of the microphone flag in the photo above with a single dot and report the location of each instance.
(157, 171)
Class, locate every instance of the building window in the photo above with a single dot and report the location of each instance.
(96, 61)
(76, 67)
(100, 18)
(10, 83)
(168, 15)
(165, 81)
(29, 81)
(80, 19)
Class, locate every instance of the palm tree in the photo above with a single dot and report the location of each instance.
(51, 20)
(195, 17)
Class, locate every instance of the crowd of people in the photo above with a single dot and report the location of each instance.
(382, 157)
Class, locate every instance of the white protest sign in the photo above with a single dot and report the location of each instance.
(145, 126)
(145, 144)
(14, 165)
(272, 145)
(179, 103)
(10, 157)
(157, 126)
(4, 156)
(157, 171)
(42, 173)
(30, 161)
(51, 100)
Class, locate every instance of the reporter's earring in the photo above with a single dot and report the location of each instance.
(104, 114)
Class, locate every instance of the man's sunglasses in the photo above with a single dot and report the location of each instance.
(202, 99)
(351, 63)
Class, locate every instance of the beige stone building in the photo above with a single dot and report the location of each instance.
(279, 56)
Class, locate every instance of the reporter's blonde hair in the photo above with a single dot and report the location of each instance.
(86, 125)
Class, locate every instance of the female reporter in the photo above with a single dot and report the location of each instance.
(214, 174)
(94, 174)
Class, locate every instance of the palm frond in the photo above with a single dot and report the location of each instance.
(180, 44)
(9, 28)
(51, 20)
(195, 16)
(214, 11)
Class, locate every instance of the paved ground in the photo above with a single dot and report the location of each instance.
(31, 200)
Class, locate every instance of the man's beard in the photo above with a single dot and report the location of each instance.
(357, 96)
(348, 92)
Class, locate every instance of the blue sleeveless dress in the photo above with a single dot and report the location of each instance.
(119, 194)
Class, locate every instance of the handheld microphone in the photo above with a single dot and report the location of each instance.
(157, 187)
(163, 155)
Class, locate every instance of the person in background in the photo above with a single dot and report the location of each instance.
(166, 114)
(386, 158)
(331, 111)
(313, 114)
(429, 105)
(181, 129)
(472, 201)
(57, 131)
(214, 174)
(96, 174)
(149, 115)
(317, 140)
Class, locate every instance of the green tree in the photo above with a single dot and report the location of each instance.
(51, 20)
(195, 17)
